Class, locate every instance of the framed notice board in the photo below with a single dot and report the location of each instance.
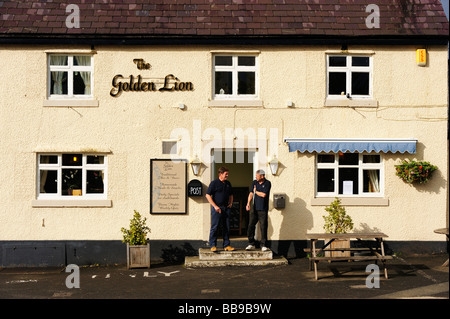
(168, 180)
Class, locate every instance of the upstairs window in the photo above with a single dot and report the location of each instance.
(235, 77)
(70, 76)
(349, 76)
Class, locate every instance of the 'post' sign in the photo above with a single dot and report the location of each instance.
(195, 188)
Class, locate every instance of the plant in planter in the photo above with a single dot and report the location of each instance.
(138, 247)
(338, 222)
(413, 172)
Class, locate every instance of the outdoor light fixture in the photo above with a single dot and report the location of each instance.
(274, 165)
(195, 164)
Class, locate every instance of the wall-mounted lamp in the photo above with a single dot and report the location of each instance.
(274, 165)
(289, 103)
(181, 106)
(195, 164)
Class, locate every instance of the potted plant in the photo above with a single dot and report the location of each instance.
(138, 247)
(338, 222)
(413, 172)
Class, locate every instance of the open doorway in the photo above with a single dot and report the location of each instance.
(242, 168)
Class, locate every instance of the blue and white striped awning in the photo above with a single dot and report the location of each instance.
(335, 145)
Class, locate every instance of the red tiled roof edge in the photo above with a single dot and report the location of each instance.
(139, 19)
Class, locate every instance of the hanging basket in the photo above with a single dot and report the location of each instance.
(415, 172)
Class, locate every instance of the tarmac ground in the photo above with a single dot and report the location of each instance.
(186, 291)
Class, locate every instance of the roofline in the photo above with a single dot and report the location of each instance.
(136, 39)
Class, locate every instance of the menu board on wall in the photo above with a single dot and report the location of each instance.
(168, 186)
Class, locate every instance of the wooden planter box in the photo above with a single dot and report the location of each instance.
(138, 256)
(337, 243)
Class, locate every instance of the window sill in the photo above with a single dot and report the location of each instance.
(71, 203)
(71, 103)
(235, 103)
(351, 201)
(351, 102)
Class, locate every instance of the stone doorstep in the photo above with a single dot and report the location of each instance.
(237, 257)
(237, 254)
(195, 262)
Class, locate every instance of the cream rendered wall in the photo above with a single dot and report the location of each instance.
(412, 102)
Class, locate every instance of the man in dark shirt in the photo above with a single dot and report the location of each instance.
(220, 196)
(260, 191)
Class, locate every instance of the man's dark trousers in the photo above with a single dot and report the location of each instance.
(215, 221)
(255, 216)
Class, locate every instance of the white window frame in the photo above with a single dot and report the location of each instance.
(361, 167)
(234, 69)
(70, 68)
(59, 168)
(348, 70)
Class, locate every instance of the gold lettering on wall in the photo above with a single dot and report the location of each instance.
(170, 83)
(141, 65)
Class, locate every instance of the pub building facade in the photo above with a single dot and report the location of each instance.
(107, 108)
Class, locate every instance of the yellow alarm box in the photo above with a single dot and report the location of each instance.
(421, 57)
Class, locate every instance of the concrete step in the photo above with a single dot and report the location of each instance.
(238, 253)
(195, 262)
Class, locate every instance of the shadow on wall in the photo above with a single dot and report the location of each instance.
(176, 255)
(435, 185)
(364, 228)
(296, 220)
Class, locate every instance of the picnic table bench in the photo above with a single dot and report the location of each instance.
(443, 231)
(377, 253)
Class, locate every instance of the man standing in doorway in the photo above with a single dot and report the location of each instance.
(220, 196)
(260, 191)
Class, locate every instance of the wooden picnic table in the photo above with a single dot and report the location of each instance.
(443, 231)
(377, 253)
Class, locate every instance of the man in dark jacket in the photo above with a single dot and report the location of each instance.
(260, 191)
(220, 196)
